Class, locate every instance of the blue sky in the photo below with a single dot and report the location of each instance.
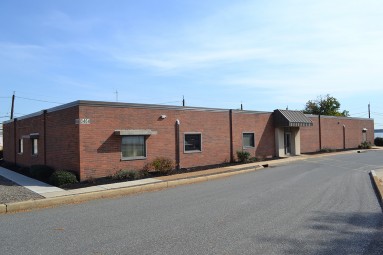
(265, 54)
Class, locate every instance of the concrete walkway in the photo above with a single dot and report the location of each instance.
(36, 186)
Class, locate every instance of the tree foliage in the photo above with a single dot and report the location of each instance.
(325, 105)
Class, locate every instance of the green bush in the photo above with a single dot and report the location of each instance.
(129, 175)
(365, 145)
(62, 177)
(41, 172)
(160, 165)
(243, 156)
(253, 159)
(327, 150)
(378, 141)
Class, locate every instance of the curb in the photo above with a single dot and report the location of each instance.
(379, 188)
(80, 198)
(3, 208)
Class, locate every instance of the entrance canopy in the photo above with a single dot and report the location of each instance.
(287, 118)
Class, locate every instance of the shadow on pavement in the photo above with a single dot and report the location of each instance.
(335, 233)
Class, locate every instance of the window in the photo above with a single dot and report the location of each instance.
(248, 140)
(133, 147)
(193, 142)
(21, 146)
(35, 146)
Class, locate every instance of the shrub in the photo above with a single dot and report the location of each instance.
(41, 172)
(243, 156)
(61, 177)
(160, 165)
(378, 141)
(365, 145)
(253, 159)
(327, 150)
(129, 175)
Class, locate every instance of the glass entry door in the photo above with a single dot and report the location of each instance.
(287, 143)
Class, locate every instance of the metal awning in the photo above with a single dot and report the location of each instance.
(287, 118)
(135, 132)
(31, 136)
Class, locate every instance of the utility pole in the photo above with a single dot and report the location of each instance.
(320, 128)
(369, 112)
(183, 100)
(13, 104)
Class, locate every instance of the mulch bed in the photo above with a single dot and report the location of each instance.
(110, 180)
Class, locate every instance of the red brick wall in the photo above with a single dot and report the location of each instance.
(310, 137)
(26, 127)
(261, 124)
(93, 150)
(100, 148)
(215, 130)
(332, 133)
(63, 139)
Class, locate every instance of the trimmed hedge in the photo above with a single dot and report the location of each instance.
(61, 177)
(41, 172)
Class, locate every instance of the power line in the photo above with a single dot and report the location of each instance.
(358, 113)
(38, 100)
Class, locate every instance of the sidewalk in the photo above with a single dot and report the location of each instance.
(55, 196)
(36, 186)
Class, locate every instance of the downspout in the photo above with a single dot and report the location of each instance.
(14, 139)
(231, 136)
(178, 144)
(45, 136)
(344, 137)
(320, 134)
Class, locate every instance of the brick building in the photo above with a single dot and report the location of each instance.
(96, 139)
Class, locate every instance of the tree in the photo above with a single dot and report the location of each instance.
(325, 105)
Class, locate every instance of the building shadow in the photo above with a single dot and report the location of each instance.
(334, 233)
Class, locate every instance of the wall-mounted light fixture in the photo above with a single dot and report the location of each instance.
(163, 117)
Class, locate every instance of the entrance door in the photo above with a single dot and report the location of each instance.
(287, 143)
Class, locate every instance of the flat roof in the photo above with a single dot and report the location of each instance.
(132, 105)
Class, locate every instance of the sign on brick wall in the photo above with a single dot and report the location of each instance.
(82, 121)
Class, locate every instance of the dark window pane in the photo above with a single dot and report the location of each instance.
(248, 140)
(192, 142)
(35, 149)
(133, 146)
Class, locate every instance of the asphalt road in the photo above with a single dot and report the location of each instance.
(317, 206)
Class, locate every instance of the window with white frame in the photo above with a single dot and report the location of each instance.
(248, 140)
(21, 146)
(193, 142)
(35, 146)
(133, 147)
